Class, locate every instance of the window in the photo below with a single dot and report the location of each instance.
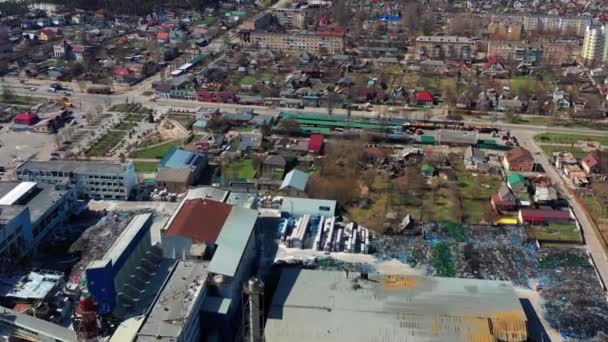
(323, 208)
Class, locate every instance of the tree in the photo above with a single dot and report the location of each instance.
(7, 93)
(289, 126)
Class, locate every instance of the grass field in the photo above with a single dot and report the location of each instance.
(158, 151)
(145, 167)
(475, 193)
(559, 138)
(556, 232)
(242, 169)
(248, 80)
(105, 144)
(523, 84)
(599, 216)
(125, 126)
(550, 149)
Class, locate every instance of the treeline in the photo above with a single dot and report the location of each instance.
(134, 7)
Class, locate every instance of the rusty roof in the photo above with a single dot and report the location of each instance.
(200, 219)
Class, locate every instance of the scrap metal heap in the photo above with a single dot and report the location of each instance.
(575, 303)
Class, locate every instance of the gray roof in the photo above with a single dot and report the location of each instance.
(295, 179)
(173, 307)
(471, 151)
(275, 160)
(311, 305)
(300, 206)
(37, 205)
(27, 323)
(73, 166)
(232, 241)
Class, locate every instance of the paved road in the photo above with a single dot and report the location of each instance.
(593, 240)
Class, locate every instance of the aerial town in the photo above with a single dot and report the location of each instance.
(303, 170)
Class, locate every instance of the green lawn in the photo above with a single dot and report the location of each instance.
(106, 143)
(248, 80)
(576, 152)
(557, 232)
(125, 126)
(241, 169)
(145, 167)
(523, 84)
(559, 138)
(158, 151)
(475, 194)
(209, 20)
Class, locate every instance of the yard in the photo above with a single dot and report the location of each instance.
(145, 167)
(240, 169)
(598, 211)
(125, 126)
(576, 151)
(156, 151)
(248, 80)
(559, 138)
(554, 232)
(105, 144)
(132, 117)
(523, 84)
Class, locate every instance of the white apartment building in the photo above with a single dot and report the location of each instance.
(595, 45)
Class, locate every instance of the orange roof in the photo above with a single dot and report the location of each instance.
(162, 35)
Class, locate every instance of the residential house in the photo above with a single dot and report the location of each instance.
(295, 184)
(545, 195)
(518, 159)
(513, 105)
(274, 165)
(61, 49)
(81, 52)
(177, 36)
(544, 216)
(48, 34)
(517, 183)
(216, 96)
(561, 99)
(315, 143)
(596, 162)
(58, 20)
(123, 75)
(251, 141)
(503, 199)
(494, 67)
(424, 98)
(162, 37)
(473, 157)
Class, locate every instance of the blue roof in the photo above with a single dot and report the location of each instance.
(177, 158)
(232, 241)
(200, 124)
(295, 179)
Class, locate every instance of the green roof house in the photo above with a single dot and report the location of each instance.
(427, 170)
(517, 183)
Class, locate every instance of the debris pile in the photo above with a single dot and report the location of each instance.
(329, 264)
(574, 301)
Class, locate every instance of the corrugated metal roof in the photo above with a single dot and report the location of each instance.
(123, 240)
(296, 206)
(17, 192)
(232, 241)
(295, 179)
(321, 306)
(177, 158)
(200, 219)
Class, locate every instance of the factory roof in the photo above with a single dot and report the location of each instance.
(295, 179)
(296, 206)
(41, 198)
(32, 325)
(174, 305)
(73, 166)
(448, 136)
(177, 158)
(35, 285)
(126, 236)
(200, 219)
(311, 305)
(233, 240)
(17, 193)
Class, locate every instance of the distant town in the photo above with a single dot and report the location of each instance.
(303, 170)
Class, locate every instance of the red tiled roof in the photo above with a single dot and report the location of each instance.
(519, 155)
(491, 61)
(200, 219)
(424, 96)
(315, 143)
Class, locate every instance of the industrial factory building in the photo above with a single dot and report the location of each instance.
(29, 211)
(318, 306)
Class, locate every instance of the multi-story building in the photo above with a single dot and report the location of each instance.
(92, 179)
(547, 23)
(595, 45)
(291, 17)
(329, 40)
(445, 47)
(28, 212)
(534, 52)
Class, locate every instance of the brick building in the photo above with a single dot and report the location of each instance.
(445, 47)
(329, 39)
(535, 52)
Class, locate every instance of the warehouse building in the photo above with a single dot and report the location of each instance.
(111, 278)
(92, 179)
(311, 305)
(29, 211)
(179, 169)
